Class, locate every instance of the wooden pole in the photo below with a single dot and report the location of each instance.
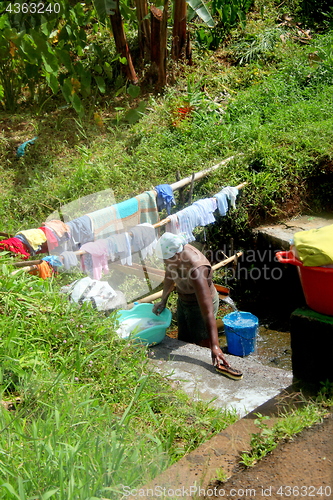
(226, 261)
(27, 263)
(191, 190)
(25, 269)
(159, 294)
(199, 175)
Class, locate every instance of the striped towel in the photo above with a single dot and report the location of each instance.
(104, 222)
(128, 213)
(148, 207)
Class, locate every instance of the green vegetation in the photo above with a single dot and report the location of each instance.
(92, 411)
(93, 415)
(288, 425)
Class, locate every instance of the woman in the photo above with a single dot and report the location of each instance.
(198, 301)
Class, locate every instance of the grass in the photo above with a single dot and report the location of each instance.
(93, 412)
(288, 425)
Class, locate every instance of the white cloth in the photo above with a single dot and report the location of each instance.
(228, 193)
(169, 244)
(173, 225)
(101, 295)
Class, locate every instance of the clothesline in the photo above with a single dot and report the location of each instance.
(206, 204)
(165, 221)
(100, 222)
(128, 267)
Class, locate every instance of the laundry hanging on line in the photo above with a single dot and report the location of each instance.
(165, 198)
(142, 238)
(121, 216)
(201, 213)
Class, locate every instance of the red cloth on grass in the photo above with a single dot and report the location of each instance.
(15, 245)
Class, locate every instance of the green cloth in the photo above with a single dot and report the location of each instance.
(306, 312)
(315, 247)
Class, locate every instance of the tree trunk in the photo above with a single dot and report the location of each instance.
(121, 43)
(159, 43)
(144, 28)
(188, 49)
(179, 30)
(162, 75)
(155, 42)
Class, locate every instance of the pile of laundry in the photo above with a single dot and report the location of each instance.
(98, 293)
(314, 247)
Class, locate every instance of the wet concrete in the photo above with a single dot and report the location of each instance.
(190, 367)
(273, 348)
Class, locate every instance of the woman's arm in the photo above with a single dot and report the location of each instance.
(168, 286)
(199, 280)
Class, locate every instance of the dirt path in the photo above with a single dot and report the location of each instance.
(300, 469)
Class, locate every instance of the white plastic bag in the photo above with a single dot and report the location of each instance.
(101, 295)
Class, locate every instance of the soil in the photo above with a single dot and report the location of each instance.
(301, 468)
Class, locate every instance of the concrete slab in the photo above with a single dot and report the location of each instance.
(189, 366)
(279, 235)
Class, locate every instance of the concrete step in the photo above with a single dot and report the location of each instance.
(190, 367)
(278, 236)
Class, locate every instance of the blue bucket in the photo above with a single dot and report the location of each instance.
(241, 330)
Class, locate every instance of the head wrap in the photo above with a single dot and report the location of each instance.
(169, 244)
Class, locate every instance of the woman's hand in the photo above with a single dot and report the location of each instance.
(159, 307)
(218, 357)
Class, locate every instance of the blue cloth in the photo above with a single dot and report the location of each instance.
(205, 209)
(53, 260)
(142, 236)
(227, 194)
(200, 213)
(24, 240)
(127, 208)
(21, 149)
(70, 259)
(80, 231)
(188, 219)
(119, 247)
(165, 198)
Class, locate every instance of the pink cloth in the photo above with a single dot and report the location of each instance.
(52, 241)
(59, 227)
(99, 254)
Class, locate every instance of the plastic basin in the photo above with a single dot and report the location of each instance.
(142, 324)
(317, 283)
